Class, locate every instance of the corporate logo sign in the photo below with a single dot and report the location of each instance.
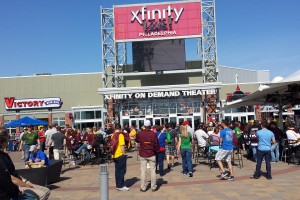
(11, 103)
(162, 94)
(158, 21)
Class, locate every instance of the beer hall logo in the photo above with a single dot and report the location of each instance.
(157, 22)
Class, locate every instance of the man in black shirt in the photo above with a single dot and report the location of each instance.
(7, 188)
(59, 140)
(12, 185)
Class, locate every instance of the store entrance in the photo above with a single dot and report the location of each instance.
(160, 120)
(189, 119)
(137, 122)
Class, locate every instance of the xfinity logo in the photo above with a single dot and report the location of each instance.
(151, 14)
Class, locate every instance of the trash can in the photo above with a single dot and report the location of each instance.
(11, 145)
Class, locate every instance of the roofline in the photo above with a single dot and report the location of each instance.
(244, 69)
(52, 75)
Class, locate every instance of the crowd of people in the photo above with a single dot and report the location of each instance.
(258, 140)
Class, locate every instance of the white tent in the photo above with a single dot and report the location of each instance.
(283, 92)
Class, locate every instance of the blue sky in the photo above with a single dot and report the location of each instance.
(63, 36)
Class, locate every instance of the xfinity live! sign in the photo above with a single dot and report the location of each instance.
(163, 94)
(11, 103)
(157, 21)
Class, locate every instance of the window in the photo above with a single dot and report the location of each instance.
(228, 118)
(98, 114)
(77, 115)
(87, 115)
(228, 111)
(60, 121)
(250, 117)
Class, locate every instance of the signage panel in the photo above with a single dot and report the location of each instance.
(11, 103)
(163, 94)
(157, 21)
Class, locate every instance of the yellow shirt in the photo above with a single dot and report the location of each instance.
(132, 133)
(121, 142)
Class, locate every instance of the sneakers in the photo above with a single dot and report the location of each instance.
(169, 166)
(224, 175)
(154, 188)
(190, 174)
(254, 177)
(143, 189)
(231, 178)
(123, 189)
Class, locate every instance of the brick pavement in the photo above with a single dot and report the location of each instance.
(83, 183)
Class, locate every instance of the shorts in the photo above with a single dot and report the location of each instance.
(224, 154)
(170, 149)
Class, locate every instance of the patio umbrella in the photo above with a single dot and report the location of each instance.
(25, 121)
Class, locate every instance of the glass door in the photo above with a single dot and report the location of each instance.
(137, 123)
(189, 119)
(160, 120)
(157, 121)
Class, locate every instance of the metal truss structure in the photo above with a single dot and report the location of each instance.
(207, 44)
(114, 54)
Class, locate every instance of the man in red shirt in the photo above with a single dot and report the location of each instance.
(148, 149)
(42, 138)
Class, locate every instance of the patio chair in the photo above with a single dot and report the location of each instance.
(214, 146)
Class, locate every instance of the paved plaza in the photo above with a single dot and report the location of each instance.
(82, 182)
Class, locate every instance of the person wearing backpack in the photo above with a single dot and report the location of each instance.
(171, 135)
(119, 157)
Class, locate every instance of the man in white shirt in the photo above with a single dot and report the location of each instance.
(48, 134)
(201, 136)
(292, 135)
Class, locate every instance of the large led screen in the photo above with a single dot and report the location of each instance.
(153, 21)
(161, 55)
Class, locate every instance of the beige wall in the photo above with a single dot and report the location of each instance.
(73, 89)
(82, 89)
(163, 79)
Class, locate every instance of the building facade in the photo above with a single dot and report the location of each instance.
(159, 98)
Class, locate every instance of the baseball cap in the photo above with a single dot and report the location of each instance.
(147, 123)
(185, 122)
(33, 147)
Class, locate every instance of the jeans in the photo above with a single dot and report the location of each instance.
(38, 193)
(51, 153)
(254, 150)
(26, 152)
(260, 156)
(160, 157)
(151, 161)
(120, 170)
(187, 166)
(42, 146)
(87, 153)
(275, 152)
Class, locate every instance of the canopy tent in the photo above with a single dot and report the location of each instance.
(25, 121)
(283, 92)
